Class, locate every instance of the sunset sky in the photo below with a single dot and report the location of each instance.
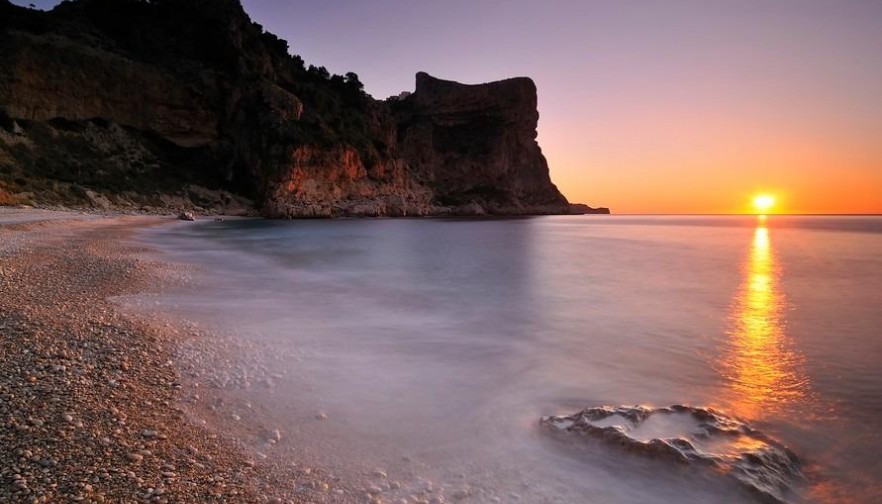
(688, 106)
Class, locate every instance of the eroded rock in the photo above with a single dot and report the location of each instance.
(690, 435)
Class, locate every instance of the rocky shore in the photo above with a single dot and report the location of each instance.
(90, 396)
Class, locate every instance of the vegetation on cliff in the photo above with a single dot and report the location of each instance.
(146, 103)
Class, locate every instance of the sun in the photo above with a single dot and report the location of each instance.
(763, 202)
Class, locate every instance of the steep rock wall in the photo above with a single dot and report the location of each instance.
(56, 77)
(476, 144)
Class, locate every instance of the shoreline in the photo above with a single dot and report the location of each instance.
(308, 212)
(92, 396)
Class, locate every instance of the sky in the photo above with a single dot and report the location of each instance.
(653, 106)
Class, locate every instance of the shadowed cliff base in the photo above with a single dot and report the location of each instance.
(188, 104)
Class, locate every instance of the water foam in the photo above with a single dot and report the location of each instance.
(692, 435)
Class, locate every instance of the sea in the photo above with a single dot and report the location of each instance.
(558, 359)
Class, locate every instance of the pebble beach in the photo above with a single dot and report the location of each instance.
(91, 396)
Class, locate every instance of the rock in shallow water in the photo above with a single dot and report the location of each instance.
(694, 436)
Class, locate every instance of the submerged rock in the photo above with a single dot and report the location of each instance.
(187, 216)
(693, 436)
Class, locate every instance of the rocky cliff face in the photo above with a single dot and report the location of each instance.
(475, 146)
(52, 77)
(142, 103)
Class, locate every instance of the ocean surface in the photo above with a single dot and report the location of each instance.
(431, 348)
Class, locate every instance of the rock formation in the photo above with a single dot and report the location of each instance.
(191, 105)
(582, 209)
(476, 145)
(690, 435)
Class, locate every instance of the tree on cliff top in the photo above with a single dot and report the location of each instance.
(351, 79)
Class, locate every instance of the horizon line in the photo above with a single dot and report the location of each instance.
(747, 214)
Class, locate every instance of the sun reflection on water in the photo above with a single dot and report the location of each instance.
(762, 372)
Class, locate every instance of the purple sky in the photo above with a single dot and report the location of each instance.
(668, 106)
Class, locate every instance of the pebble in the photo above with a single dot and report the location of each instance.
(75, 360)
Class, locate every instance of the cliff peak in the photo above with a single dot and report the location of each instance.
(424, 79)
(515, 92)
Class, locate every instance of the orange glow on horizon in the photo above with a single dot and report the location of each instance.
(675, 162)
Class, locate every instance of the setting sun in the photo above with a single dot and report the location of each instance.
(763, 202)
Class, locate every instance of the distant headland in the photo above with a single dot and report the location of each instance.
(190, 105)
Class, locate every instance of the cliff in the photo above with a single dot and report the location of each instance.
(190, 104)
(475, 146)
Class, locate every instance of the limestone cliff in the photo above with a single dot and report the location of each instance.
(188, 103)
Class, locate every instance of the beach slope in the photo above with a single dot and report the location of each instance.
(89, 395)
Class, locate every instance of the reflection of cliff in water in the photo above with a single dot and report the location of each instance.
(762, 371)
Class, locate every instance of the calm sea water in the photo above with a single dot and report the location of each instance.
(435, 345)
